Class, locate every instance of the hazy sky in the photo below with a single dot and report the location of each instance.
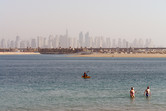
(110, 18)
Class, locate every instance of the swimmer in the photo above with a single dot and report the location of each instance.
(147, 92)
(132, 92)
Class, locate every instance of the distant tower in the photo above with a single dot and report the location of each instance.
(12, 44)
(119, 43)
(81, 38)
(87, 40)
(135, 43)
(8, 44)
(146, 43)
(56, 42)
(66, 33)
(3, 43)
(108, 43)
(114, 43)
(141, 42)
(40, 42)
(22, 44)
(50, 41)
(124, 43)
(33, 43)
(17, 42)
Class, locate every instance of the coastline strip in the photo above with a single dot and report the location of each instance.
(122, 55)
(19, 53)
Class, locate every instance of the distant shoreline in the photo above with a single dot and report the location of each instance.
(122, 55)
(19, 53)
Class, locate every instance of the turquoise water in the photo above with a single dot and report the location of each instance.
(54, 83)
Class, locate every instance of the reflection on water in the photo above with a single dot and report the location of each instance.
(132, 100)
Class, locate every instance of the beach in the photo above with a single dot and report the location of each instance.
(19, 53)
(121, 55)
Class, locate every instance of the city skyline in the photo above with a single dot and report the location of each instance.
(82, 40)
(108, 18)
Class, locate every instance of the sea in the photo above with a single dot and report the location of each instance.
(54, 83)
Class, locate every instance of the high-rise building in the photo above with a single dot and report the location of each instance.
(12, 44)
(56, 42)
(119, 43)
(87, 40)
(98, 42)
(50, 41)
(27, 43)
(124, 43)
(45, 43)
(3, 43)
(149, 43)
(91, 42)
(17, 42)
(108, 42)
(141, 43)
(23, 44)
(81, 39)
(114, 43)
(67, 33)
(63, 41)
(33, 43)
(40, 42)
(103, 43)
(74, 43)
(8, 44)
(135, 43)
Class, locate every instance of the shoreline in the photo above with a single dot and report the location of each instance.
(94, 55)
(122, 55)
(19, 53)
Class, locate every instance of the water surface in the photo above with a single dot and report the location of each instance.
(54, 83)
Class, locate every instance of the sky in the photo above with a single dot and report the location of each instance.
(127, 19)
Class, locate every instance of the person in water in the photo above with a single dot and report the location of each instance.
(132, 92)
(85, 75)
(147, 92)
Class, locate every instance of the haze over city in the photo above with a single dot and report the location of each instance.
(115, 19)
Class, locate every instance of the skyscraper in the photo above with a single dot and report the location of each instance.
(3, 43)
(50, 41)
(81, 39)
(108, 42)
(12, 44)
(17, 42)
(141, 43)
(33, 43)
(63, 41)
(114, 43)
(124, 43)
(8, 44)
(23, 44)
(40, 42)
(56, 42)
(119, 43)
(87, 40)
(98, 42)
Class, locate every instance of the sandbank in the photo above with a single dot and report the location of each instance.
(19, 53)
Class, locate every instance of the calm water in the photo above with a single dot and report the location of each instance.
(54, 83)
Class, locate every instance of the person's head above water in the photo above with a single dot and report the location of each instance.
(132, 88)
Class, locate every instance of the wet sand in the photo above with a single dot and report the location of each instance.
(19, 53)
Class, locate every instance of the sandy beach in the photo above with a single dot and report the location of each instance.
(19, 53)
(121, 55)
